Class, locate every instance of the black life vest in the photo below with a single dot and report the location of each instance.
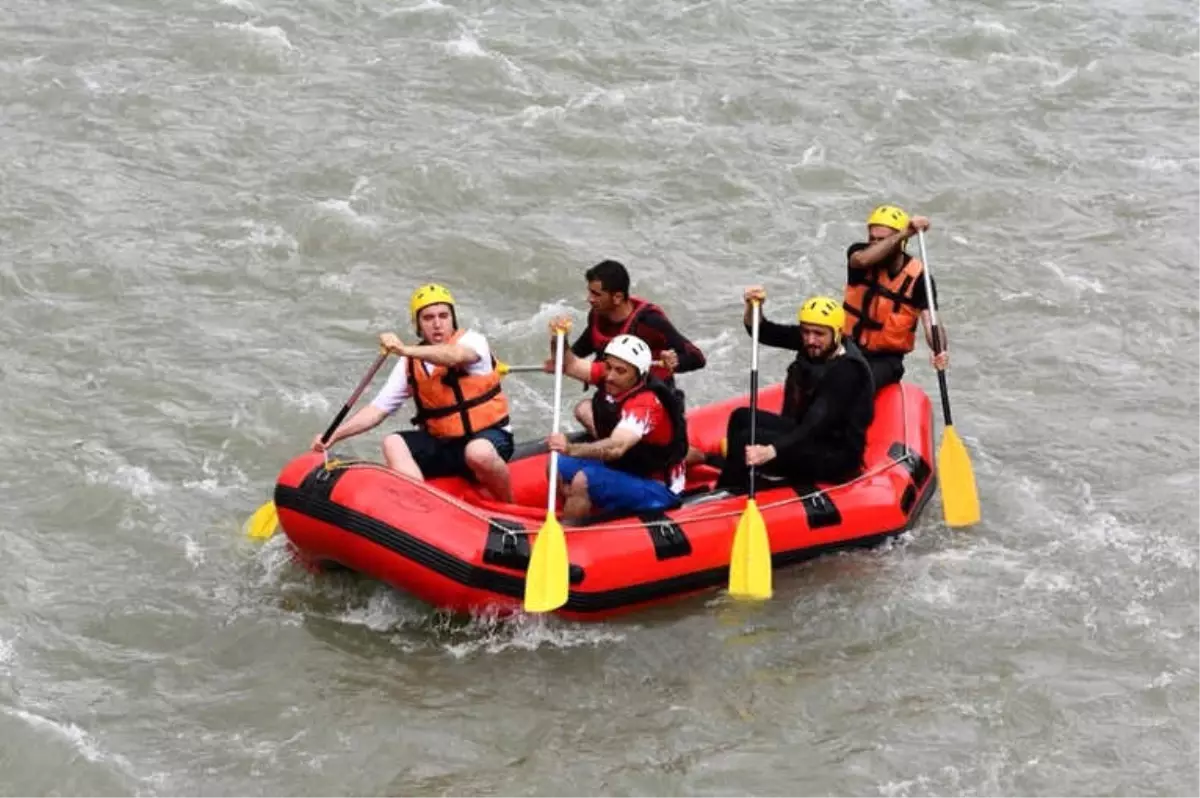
(653, 461)
(804, 378)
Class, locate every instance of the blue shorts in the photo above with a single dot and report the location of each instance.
(615, 491)
(438, 457)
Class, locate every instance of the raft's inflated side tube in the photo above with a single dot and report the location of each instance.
(444, 543)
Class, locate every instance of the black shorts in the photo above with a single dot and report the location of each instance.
(440, 457)
(886, 368)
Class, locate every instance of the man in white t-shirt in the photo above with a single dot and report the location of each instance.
(462, 418)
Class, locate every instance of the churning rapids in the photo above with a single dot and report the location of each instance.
(209, 208)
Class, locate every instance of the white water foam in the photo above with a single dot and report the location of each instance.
(424, 5)
(992, 26)
(531, 114)
(272, 38)
(306, 400)
(1077, 283)
(342, 209)
(219, 478)
(80, 741)
(133, 479)
(465, 46)
(814, 155)
(385, 612)
(526, 633)
(535, 324)
(271, 239)
(336, 282)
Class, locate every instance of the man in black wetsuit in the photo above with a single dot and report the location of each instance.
(829, 401)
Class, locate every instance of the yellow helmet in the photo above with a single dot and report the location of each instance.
(426, 295)
(888, 216)
(824, 312)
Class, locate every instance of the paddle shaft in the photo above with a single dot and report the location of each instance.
(531, 368)
(937, 331)
(756, 311)
(559, 336)
(362, 386)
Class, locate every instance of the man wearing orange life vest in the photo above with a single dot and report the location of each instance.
(614, 312)
(885, 296)
(462, 413)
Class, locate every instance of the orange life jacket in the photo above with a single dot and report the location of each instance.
(890, 321)
(451, 403)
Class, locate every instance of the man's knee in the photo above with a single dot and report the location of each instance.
(395, 447)
(399, 456)
(579, 484)
(583, 411)
(737, 431)
(481, 455)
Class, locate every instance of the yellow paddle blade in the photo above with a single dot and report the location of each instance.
(960, 502)
(548, 577)
(263, 523)
(501, 367)
(750, 563)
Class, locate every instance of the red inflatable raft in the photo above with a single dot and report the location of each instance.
(446, 544)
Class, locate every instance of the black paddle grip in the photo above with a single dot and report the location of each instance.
(337, 421)
(939, 346)
(753, 421)
(945, 398)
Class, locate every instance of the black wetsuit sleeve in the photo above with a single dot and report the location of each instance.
(855, 276)
(583, 344)
(830, 407)
(920, 297)
(690, 356)
(779, 336)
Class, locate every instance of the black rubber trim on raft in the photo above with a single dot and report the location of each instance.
(320, 481)
(511, 586)
(404, 544)
(507, 545)
(668, 537)
(918, 467)
(818, 507)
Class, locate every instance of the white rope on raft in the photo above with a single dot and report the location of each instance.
(641, 526)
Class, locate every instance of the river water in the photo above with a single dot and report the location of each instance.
(209, 209)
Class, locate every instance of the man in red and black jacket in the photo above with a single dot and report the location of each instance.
(614, 312)
(637, 464)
